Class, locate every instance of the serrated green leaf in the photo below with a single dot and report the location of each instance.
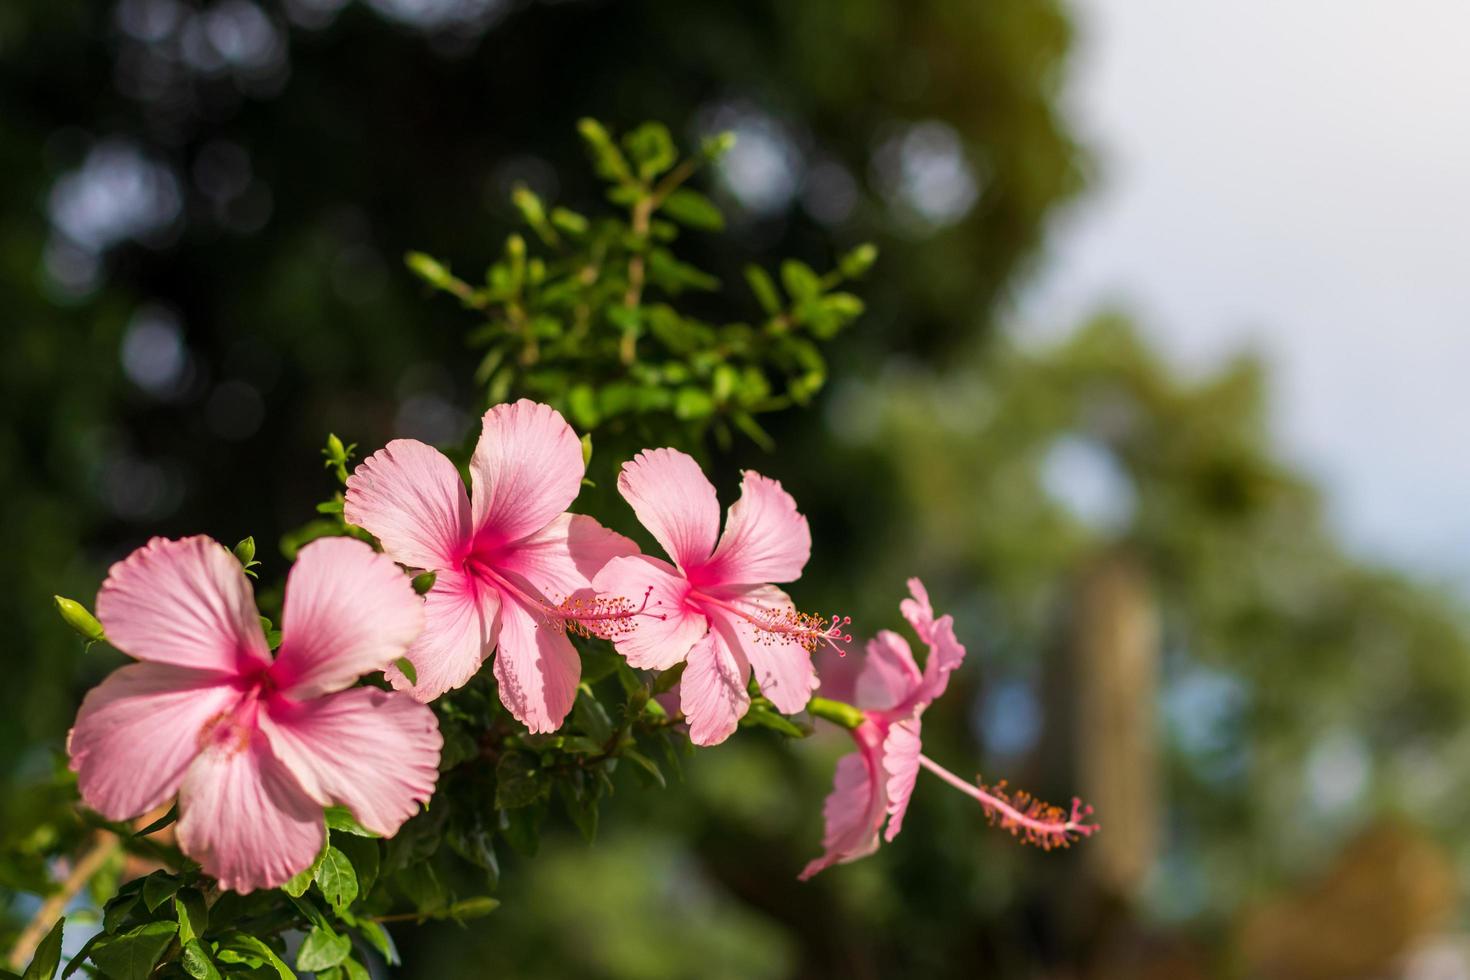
(133, 954)
(241, 947)
(322, 949)
(336, 878)
(48, 955)
(377, 937)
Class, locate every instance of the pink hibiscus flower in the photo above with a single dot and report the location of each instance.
(875, 783)
(716, 609)
(512, 568)
(255, 746)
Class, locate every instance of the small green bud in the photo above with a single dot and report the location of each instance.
(245, 551)
(857, 262)
(78, 618)
(586, 449)
(717, 145)
(429, 269)
(423, 583)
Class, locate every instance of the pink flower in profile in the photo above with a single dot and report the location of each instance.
(255, 746)
(512, 567)
(875, 783)
(715, 607)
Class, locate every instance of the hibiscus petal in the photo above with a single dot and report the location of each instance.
(537, 667)
(137, 732)
(853, 811)
(374, 752)
(783, 667)
(889, 677)
(712, 690)
(673, 499)
(561, 559)
(244, 818)
(945, 651)
(461, 623)
(901, 750)
(527, 469)
(410, 496)
(185, 603)
(766, 539)
(348, 611)
(663, 636)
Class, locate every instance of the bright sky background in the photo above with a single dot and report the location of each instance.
(1293, 176)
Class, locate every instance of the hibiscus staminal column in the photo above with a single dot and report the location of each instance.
(1028, 819)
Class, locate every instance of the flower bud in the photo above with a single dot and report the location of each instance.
(78, 618)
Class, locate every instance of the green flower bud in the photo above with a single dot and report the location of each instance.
(78, 618)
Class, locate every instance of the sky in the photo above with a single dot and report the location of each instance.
(1290, 177)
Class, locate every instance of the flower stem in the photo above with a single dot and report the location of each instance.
(104, 846)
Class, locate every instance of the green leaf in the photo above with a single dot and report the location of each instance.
(581, 806)
(377, 937)
(471, 908)
(521, 828)
(354, 970)
(764, 289)
(195, 960)
(429, 269)
(298, 883)
(322, 949)
(651, 148)
(192, 913)
(799, 279)
(158, 888)
(366, 856)
(134, 954)
(569, 222)
(241, 947)
(475, 842)
(337, 879)
(517, 781)
(647, 765)
(693, 209)
(666, 679)
(856, 263)
(341, 818)
(590, 716)
(48, 955)
(692, 404)
(116, 911)
(607, 160)
(424, 889)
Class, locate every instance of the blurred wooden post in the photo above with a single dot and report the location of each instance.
(1112, 684)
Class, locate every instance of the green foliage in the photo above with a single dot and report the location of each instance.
(596, 319)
